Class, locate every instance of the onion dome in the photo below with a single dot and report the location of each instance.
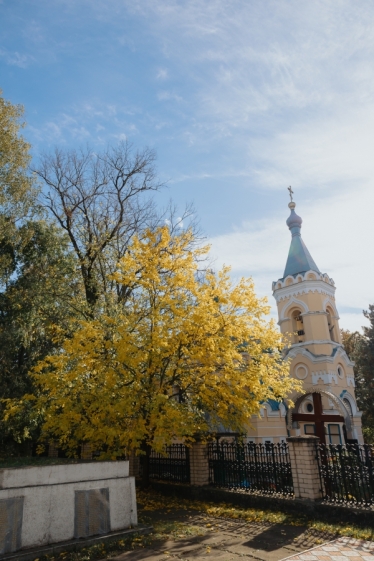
(299, 259)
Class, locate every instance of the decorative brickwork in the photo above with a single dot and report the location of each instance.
(304, 464)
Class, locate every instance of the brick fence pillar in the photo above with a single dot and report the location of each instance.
(52, 450)
(86, 451)
(304, 465)
(134, 464)
(199, 467)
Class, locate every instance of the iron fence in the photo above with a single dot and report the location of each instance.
(347, 473)
(172, 465)
(262, 468)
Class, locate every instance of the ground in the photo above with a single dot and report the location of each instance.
(194, 535)
(192, 530)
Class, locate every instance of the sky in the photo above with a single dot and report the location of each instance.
(239, 98)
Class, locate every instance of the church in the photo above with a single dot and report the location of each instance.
(309, 320)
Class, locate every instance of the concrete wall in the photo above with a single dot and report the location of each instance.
(64, 501)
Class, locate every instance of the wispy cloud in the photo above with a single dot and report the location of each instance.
(15, 58)
(162, 74)
(244, 97)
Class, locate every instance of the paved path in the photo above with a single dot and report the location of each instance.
(342, 549)
(227, 547)
(229, 540)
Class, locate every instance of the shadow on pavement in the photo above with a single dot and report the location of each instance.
(274, 537)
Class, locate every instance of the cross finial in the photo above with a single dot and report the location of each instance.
(291, 192)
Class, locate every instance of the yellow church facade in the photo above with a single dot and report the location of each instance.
(309, 320)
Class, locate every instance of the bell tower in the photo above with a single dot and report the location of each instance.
(309, 321)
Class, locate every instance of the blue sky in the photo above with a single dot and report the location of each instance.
(239, 98)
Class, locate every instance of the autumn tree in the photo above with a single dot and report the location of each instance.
(100, 200)
(183, 355)
(350, 341)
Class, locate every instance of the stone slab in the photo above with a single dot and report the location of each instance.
(61, 473)
(11, 516)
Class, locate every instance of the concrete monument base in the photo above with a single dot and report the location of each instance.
(46, 505)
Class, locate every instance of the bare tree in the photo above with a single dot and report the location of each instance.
(100, 200)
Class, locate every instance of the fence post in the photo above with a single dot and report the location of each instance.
(52, 450)
(134, 464)
(304, 465)
(86, 451)
(199, 465)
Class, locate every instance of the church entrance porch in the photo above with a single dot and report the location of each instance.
(311, 418)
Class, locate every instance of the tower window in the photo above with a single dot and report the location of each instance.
(348, 406)
(331, 325)
(298, 327)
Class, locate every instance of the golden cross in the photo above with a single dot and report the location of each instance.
(291, 192)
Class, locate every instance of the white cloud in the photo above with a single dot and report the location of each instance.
(169, 96)
(15, 58)
(333, 152)
(162, 74)
(276, 93)
(253, 57)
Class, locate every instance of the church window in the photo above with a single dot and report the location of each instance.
(340, 372)
(348, 406)
(331, 324)
(309, 407)
(298, 327)
(333, 433)
(309, 429)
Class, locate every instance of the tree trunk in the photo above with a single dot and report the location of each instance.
(90, 286)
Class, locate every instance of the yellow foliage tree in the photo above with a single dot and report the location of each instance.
(185, 354)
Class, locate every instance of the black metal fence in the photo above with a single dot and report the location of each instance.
(172, 465)
(347, 473)
(262, 468)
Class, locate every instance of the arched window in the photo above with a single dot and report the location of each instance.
(348, 406)
(331, 324)
(297, 327)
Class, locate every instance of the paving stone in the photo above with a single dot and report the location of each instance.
(342, 549)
